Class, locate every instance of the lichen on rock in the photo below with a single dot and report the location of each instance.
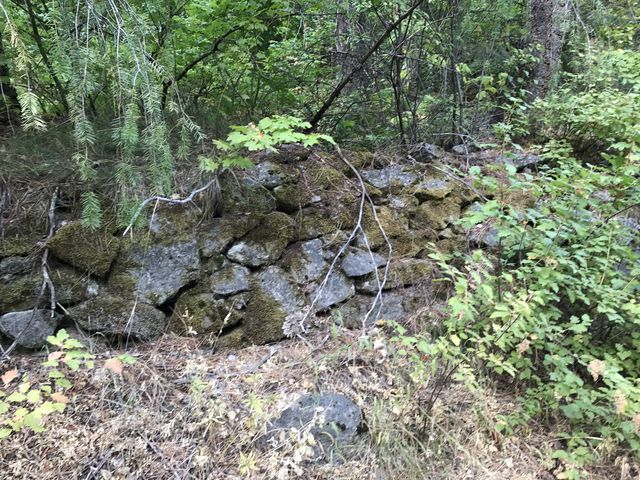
(203, 313)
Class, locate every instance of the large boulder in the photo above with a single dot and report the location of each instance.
(114, 316)
(85, 249)
(30, 327)
(274, 299)
(158, 272)
(266, 243)
(332, 419)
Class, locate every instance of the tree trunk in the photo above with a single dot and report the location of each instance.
(8, 94)
(547, 37)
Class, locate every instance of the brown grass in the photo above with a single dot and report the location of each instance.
(183, 412)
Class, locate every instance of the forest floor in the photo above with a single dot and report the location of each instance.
(182, 412)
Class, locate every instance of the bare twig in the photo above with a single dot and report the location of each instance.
(358, 228)
(173, 201)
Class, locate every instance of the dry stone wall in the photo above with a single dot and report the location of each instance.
(266, 260)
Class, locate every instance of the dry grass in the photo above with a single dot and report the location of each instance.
(182, 412)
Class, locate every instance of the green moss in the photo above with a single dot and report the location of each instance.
(321, 176)
(313, 223)
(403, 273)
(393, 223)
(19, 246)
(20, 294)
(291, 198)
(235, 339)
(203, 313)
(85, 249)
(436, 214)
(264, 319)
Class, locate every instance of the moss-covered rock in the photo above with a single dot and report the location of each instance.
(114, 316)
(203, 313)
(394, 224)
(436, 215)
(273, 300)
(433, 188)
(243, 195)
(294, 197)
(85, 249)
(20, 293)
(217, 235)
(156, 273)
(266, 243)
(322, 176)
(315, 222)
(401, 273)
(19, 246)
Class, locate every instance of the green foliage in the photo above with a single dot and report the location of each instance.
(265, 136)
(25, 402)
(555, 307)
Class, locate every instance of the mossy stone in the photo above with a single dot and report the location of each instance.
(292, 198)
(436, 215)
(265, 318)
(21, 293)
(312, 223)
(204, 313)
(392, 222)
(243, 195)
(266, 243)
(321, 176)
(18, 246)
(88, 250)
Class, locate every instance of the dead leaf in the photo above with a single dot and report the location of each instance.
(596, 368)
(55, 355)
(115, 365)
(9, 376)
(59, 397)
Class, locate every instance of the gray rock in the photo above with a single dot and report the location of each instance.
(274, 299)
(361, 262)
(157, 272)
(433, 189)
(268, 174)
(243, 195)
(521, 160)
(287, 153)
(337, 289)
(425, 152)
(464, 149)
(266, 243)
(485, 234)
(354, 312)
(72, 287)
(223, 231)
(393, 178)
(111, 315)
(230, 280)
(333, 419)
(13, 267)
(37, 326)
(305, 261)
(401, 202)
(273, 281)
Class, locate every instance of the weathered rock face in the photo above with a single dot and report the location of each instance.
(123, 318)
(274, 298)
(31, 327)
(239, 278)
(266, 243)
(333, 420)
(157, 273)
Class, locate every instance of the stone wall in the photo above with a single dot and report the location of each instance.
(238, 278)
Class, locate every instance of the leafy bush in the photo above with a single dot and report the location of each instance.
(25, 405)
(556, 307)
